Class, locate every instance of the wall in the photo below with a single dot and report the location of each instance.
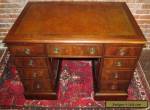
(10, 9)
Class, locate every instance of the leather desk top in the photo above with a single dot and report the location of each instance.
(75, 22)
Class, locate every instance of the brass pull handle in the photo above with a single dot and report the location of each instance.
(38, 86)
(113, 87)
(92, 50)
(34, 75)
(27, 51)
(115, 76)
(122, 52)
(31, 62)
(118, 63)
(56, 50)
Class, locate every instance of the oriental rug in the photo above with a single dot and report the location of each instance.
(75, 89)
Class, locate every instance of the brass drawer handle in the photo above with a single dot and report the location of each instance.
(113, 87)
(38, 86)
(118, 63)
(34, 75)
(56, 50)
(115, 76)
(122, 52)
(27, 51)
(30, 63)
(92, 50)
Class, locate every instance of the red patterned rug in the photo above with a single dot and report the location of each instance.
(75, 89)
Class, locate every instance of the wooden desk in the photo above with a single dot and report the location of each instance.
(45, 32)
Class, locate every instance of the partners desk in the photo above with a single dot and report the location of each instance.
(47, 32)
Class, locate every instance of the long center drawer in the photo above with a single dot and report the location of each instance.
(74, 50)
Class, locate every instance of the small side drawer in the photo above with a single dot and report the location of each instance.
(27, 50)
(122, 50)
(42, 85)
(74, 50)
(32, 73)
(117, 75)
(37, 85)
(30, 61)
(121, 85)
(120, 63)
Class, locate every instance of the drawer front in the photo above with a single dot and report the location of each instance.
(120, 63)
(121, 85)
(122, 51)
(75, 50)
(30, 61)
(18, 61)
(28, 85)
(37, 85)
(27, 50)
(33, 73)
(42, 85)
(116, 75)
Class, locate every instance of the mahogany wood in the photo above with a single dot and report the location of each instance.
(33, 73)
(116, 75)
(30, 62)
(33, 50)
(47, 32)
(122, 51)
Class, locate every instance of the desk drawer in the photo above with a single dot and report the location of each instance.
(75, 50)
(122, 51)
(117, 75)
(114, 85)
(30, 61)
(37, 85)
(32, 73)
(27, 50)
(120, 63)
